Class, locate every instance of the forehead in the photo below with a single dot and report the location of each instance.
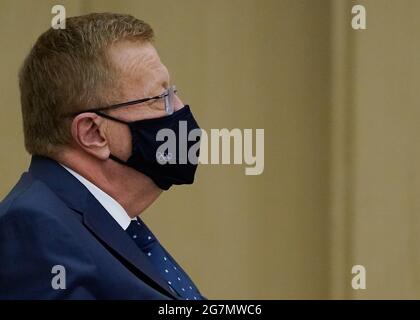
(138, 64)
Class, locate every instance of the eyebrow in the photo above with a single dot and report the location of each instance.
(156, 88)
(165, 84)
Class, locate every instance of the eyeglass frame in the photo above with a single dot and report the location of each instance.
(169, 109)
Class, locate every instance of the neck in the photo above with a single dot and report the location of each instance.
(134, 191)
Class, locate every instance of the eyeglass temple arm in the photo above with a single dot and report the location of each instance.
(119, 105)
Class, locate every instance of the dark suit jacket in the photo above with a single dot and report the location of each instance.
(49, 218)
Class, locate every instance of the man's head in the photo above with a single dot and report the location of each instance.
(97, 61)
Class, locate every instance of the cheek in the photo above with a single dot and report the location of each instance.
(120, 141)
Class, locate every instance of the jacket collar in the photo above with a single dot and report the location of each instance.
(97, 220)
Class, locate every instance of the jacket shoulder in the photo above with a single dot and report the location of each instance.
(30, 197)
(36, 234)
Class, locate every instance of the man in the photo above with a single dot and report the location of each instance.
(94, 98)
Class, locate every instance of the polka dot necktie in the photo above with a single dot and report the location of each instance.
(164, 263)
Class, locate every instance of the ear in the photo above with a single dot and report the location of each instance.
(87, 131)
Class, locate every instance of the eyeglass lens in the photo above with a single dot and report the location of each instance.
(169, 100)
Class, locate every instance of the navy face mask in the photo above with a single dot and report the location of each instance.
(165, 166)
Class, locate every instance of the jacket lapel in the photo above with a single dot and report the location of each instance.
(98, 221)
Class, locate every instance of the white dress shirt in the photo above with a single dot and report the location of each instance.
(110, 204)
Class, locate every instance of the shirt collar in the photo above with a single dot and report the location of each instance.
(110, 204)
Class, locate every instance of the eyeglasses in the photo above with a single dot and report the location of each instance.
(168, 96)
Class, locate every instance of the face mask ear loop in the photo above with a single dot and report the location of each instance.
(111, 156)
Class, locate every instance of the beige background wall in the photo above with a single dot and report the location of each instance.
(340, 113)
(383, 150)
